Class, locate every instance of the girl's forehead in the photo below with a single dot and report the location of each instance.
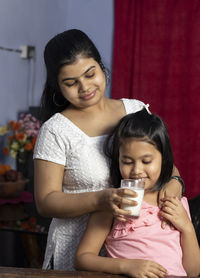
(137, 148)
(137, 141)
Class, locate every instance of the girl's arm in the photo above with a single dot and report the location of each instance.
(87, 257)
(52, 202)
(174, 211)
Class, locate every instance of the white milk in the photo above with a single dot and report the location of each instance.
(135, 210)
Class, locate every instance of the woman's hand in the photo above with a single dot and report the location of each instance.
(143, 269)
(112, 199)
(171, 189)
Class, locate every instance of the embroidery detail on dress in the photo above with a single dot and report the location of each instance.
(148, 216)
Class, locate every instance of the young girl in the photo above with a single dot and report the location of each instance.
(140, 148)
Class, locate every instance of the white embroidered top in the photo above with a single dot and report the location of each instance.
(86, 170)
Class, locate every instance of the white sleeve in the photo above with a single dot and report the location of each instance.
(50, 146)
(133, 105)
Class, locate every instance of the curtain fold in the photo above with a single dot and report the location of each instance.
(156, 59)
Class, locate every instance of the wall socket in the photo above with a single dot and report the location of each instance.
(27, 51)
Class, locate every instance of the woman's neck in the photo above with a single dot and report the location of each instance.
(99, 107)
(96, 120)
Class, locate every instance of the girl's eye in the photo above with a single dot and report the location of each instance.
(147, 162)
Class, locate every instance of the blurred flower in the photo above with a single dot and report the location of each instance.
(22, 135)
(5, 151)
(4, 130)
(29, 224)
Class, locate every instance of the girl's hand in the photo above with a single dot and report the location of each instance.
(171, 189)
(112, 199)
(143, 269)
(174, 212)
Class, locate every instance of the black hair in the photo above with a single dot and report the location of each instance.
(145, 126)
(63, 49)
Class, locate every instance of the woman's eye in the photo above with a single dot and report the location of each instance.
(70, 84)
(127, 162)
(90, 75)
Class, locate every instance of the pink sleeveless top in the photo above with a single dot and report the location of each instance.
(143, 238)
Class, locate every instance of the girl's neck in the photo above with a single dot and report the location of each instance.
(151, 197)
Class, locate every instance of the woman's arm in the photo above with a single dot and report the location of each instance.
(174, 211)
(87, 254)
(173, 188)
(52, 202)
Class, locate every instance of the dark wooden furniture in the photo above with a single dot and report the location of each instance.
(11, 272)
(21, 239)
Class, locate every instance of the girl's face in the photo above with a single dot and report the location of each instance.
(82, 83)
(140, 159)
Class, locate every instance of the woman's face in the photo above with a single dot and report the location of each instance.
(140, 159)
(82, 83)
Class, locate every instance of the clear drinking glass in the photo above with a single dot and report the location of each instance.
(138, 186)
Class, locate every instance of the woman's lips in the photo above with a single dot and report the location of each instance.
(88, 96)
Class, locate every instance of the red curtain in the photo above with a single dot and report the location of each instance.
(157, 60)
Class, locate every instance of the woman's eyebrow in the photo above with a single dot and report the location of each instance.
(72, 78)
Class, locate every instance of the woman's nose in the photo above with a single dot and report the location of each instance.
(83, 86)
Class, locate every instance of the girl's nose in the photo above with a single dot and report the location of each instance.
(136, 169)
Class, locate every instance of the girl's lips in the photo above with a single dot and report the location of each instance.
(138, 178)
(88, 96)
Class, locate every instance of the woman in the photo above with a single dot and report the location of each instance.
(71, 170)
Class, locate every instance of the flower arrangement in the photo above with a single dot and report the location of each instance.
(22, 136)
(24, 225)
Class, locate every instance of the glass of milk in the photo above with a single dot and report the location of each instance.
(138, 186)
